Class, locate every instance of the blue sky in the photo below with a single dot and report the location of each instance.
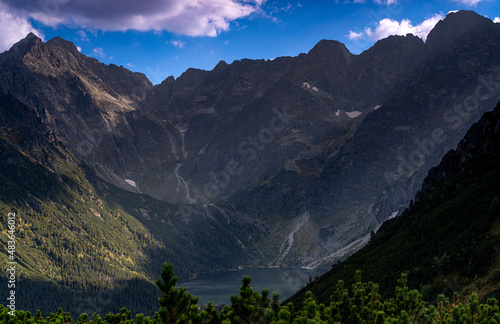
(165, 37)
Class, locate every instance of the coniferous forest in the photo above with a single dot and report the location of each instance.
(360, 303)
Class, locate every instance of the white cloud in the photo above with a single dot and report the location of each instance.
(354, 35)
(287, 8)
(496, 20)
(386, 2)
(79, 49)
(469, 2)
(380, 2)
(14, 28)
(99, 52)
(387, 27)
(178, 43)
(82, 35)
(187, 17)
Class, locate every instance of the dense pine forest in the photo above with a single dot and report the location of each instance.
(361, 303)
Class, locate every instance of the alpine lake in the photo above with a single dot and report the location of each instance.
(217, 288)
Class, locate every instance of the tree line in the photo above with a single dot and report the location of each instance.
(360, 304)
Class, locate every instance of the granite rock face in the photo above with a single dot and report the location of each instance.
(315, 150)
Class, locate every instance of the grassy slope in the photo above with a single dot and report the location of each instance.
(447, 242)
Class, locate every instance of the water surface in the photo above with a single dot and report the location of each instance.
(217, 288)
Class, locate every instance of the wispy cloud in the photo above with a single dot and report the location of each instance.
(380, 2)
(193, 18)
(178, 43)
(98, 52)
(354, 35)
(82, 35)
(386, 2)
(470, 3)
(387, 27)
(275, 9)
(14, 27)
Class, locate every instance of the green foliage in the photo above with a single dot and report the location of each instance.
(361, 304)
(177, 305)
(250, 306)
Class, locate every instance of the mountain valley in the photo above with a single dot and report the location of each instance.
(293, 162)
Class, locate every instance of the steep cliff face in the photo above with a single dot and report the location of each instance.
(380, 166)
(80, 99)
(424, 117)
(236, 112)
(313, 151)
(483, 138)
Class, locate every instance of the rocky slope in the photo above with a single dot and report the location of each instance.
(310, 152)
(447, 241)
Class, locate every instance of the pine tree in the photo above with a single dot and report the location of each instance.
(175, 303)
(249, 306)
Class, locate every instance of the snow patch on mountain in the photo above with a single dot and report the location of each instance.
(131, 182)
(394, 214)
(353, 114)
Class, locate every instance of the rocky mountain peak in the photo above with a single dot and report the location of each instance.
(329, 49)
(192, 76)
(460, 25)
(22, 47)
(402, 49)
(462, 21)
(58, 42)
(25, 44)
(397, 41)
(222, 64)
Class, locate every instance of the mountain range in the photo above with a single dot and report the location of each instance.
(291, 162)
